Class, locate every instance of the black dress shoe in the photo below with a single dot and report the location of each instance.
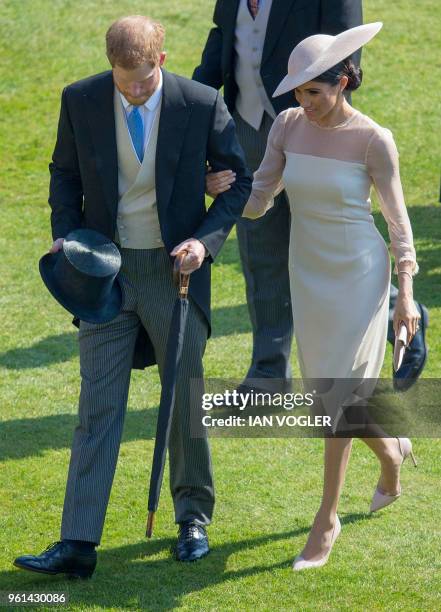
(60, 558)
(415, 355)
(192, 542)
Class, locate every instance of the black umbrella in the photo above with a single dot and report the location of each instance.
(175, 343)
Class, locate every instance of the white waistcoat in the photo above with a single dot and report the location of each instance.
(137, 222)
(252, 99)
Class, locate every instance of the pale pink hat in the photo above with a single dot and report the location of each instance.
(320, 52)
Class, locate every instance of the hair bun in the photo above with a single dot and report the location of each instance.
(354, 74)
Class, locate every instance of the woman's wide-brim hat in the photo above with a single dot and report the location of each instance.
(82, 276)
(317, 54)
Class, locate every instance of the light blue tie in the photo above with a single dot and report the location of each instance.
(136, 129)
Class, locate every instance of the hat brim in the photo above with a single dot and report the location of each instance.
(343, 45)
(105, 314)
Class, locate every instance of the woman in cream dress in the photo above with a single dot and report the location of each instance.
(327, 156)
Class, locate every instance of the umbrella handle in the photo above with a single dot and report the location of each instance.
(180, 279)
(150, 522)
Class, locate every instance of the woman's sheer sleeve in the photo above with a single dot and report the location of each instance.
(383, 166)
(268, 177)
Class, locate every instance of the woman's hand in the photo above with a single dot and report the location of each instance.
(406, 312)
(218, 182)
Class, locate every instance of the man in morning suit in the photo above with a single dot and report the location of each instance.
(130, 161)
(247, 53)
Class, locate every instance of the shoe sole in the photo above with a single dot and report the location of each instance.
(54, 573)
(424, 325)
(192, 560)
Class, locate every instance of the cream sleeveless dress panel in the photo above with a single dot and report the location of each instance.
(338, 262)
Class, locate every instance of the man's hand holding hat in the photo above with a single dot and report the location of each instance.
(57, 245)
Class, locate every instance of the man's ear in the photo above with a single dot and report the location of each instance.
(162, 58)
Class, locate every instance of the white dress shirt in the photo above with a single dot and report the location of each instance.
(148, 110)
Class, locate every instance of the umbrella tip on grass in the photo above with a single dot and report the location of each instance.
(150, 521)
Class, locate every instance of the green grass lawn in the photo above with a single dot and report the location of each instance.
(267, 489)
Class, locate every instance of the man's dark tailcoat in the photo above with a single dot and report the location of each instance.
(195, 128)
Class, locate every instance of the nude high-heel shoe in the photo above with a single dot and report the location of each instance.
(300, 563)
(381, 500)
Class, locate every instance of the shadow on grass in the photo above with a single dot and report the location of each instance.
(22, 438)
(53, 349)
(58, 349)
(130, 577)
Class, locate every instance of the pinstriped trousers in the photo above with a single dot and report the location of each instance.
(106, 352)
(263, 248)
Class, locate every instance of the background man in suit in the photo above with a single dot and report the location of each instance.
(247, 53)
(130, 162)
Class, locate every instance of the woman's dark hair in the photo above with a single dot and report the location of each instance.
(344, 68)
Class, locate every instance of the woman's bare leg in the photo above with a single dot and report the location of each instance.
(337, 453)
(387, 449)
(390, 457)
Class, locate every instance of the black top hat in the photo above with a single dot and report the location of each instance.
(82, 276)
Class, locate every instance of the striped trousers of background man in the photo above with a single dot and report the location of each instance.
(263, 247)
(106, 352)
